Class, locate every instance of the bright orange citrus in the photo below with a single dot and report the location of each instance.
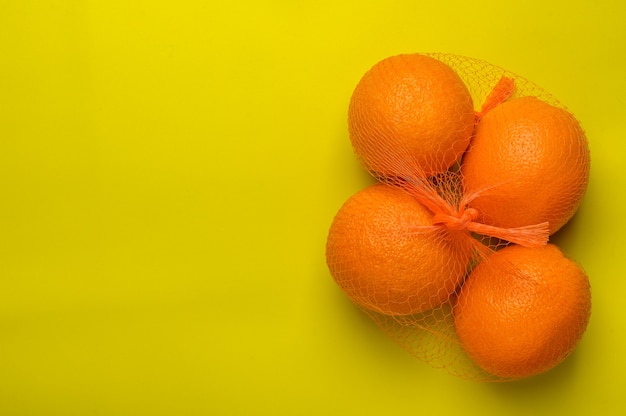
(529, 161)
(522, 310)
(410, 111)
(385, 254)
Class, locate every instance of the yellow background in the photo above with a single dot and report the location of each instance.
(168, 172)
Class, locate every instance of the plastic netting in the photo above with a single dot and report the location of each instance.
(402, 250)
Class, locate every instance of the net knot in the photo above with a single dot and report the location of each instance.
(458, 221)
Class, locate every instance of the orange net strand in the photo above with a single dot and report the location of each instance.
(535, 235)
(463, 219)
(501, 92)
(529, 236)
(458, 222)
(428, 196)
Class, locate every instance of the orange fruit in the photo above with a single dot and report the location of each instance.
(522, 310)
(529, 162)
(410, 111)
(385, 253)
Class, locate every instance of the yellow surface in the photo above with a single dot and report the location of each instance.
(168, 171)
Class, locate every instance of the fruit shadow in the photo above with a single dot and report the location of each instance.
(390, 354)
(430, 338)
(337, 313)
(571, 231)
(344, 163)
(549, 384)
(374, 338)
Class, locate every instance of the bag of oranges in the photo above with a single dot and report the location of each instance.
(448, 253)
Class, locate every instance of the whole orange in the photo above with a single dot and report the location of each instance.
(528, 163)
(410, 112)
(385, 253)
(522, 310)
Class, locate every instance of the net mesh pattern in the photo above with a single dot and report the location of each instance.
(403, 249)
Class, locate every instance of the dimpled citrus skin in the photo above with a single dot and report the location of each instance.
(384, 253)
(523, 310)
(410, 108)
(531, 162)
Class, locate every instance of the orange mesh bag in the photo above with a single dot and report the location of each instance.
(456, 230)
